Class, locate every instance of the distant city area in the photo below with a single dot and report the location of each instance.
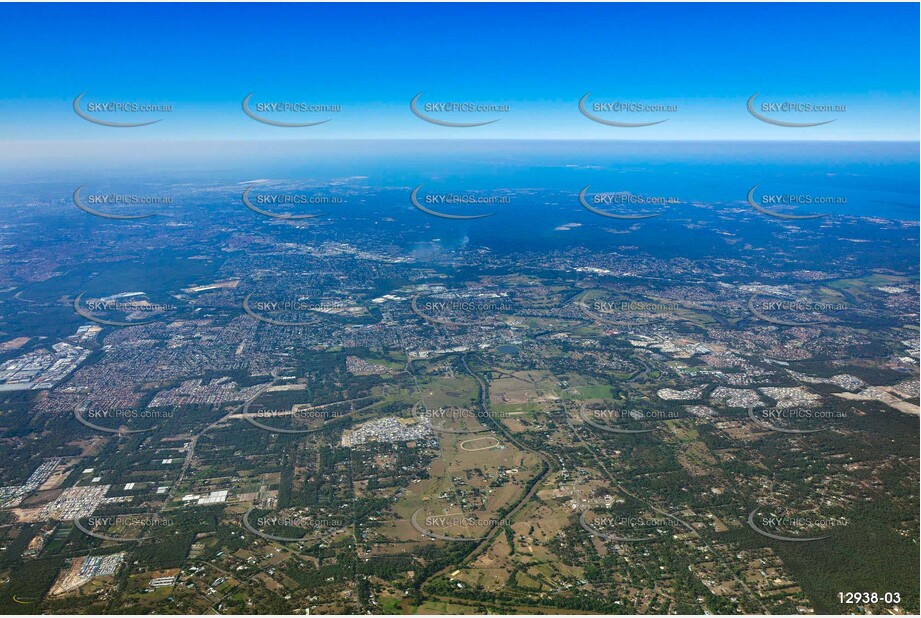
(353, 418)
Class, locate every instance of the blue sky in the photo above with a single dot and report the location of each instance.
(538, 59)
